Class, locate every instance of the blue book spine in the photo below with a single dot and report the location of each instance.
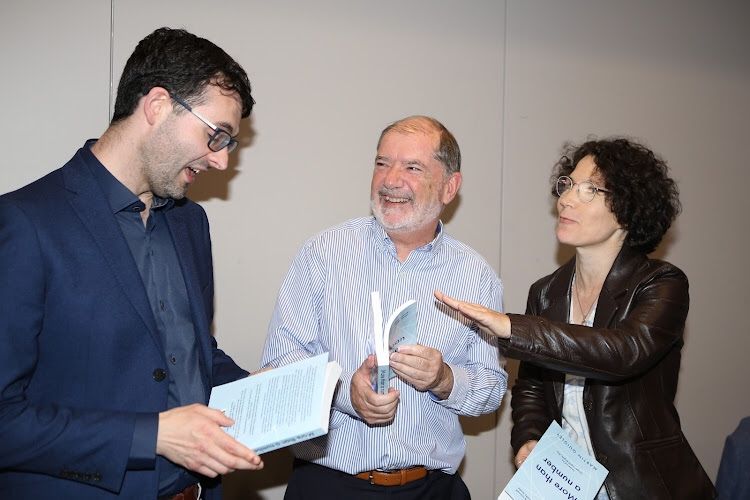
(383, 379)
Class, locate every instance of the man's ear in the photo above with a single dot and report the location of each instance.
(451, 187)
(156, 105)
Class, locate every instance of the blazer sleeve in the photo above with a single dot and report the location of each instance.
(61, 441)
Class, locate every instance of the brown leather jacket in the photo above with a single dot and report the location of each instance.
(631, 361)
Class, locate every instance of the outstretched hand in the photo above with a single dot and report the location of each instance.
(493, 322)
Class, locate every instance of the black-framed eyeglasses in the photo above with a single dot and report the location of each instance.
(217, 141)
(586, 190)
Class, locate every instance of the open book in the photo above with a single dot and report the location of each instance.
(279, 407)
(557, 468)
(400, 329)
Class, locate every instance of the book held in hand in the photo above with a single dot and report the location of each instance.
(557, 468)
(281, 406)
(400, 329)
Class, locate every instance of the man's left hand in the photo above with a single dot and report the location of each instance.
(423, 367)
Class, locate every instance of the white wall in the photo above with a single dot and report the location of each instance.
(512, 80)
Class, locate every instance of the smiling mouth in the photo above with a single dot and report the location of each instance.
(389, 196)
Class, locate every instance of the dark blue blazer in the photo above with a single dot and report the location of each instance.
(80, 356)
(733, 479)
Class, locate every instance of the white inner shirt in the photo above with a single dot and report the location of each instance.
(573, 415)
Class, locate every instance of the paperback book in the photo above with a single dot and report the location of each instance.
(281, 406)
(400, 329)
(557, 468)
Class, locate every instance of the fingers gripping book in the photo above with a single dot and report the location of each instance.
(400, 329)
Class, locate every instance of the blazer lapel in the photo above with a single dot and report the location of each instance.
(179, 227)
(92, 208)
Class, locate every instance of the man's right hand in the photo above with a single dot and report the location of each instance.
(192, 437)
(372, 407)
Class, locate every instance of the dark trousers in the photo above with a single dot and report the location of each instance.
(314, 482)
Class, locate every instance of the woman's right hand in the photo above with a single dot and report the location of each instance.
(524, 452)
(493, 322)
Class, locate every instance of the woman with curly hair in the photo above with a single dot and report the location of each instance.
(600, 341)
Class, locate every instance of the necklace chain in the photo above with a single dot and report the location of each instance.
(580, 304)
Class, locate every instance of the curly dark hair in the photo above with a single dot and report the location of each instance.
(643, 198)
(184, 65)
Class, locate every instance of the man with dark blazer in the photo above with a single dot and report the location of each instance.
(106, 295)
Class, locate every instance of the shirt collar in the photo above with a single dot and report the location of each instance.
(118, 196)
(382, 236)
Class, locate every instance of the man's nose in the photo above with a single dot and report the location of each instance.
(393, 176)
(219, 159)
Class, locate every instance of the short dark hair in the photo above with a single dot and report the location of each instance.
(447, 152)
(643, 198)
(184, 65)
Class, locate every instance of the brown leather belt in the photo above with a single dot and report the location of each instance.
(189, 493)
(397, 477)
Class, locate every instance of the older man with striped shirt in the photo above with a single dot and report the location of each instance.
(408, 443)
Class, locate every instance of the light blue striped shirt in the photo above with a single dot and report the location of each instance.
(324, 306)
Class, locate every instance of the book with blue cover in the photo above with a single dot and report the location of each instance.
(557, 468)
(281, 406)
(400, 329)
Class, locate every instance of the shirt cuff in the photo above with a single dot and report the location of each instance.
(460, 388)
(343, 399)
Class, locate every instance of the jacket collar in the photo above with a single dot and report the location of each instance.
(616, 285)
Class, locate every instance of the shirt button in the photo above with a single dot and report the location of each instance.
(172, 359)
(159, 374)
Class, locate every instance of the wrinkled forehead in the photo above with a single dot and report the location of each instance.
(426, 141)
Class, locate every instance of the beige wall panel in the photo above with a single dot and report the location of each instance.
(513, 82)
(674, 75)
(54, 90)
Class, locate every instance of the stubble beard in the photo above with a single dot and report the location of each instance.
(163, 166)
(164, 180)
